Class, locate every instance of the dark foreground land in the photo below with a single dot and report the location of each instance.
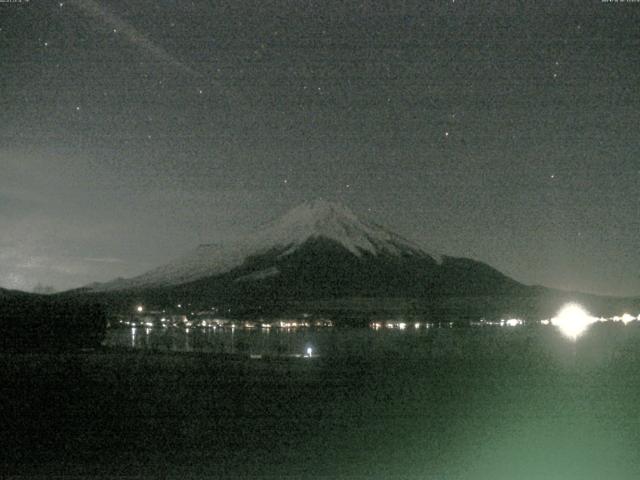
(470, 403)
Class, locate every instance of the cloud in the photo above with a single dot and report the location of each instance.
(24, 267)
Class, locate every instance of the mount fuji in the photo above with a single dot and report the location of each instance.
(318, 250)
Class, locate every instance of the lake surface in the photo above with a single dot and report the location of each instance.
(494, 403)
(408, 340)
(412, 340)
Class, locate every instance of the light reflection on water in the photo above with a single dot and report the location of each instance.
(259, 342)
(301, 337)
(417, 340)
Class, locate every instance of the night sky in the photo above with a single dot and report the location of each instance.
(503, 131)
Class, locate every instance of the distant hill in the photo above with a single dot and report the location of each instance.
(31, 322)
(7, 294)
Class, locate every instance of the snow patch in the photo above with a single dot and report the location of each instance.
(259, 275)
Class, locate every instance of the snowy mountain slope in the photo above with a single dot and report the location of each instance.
(281, 238)
(335, 222)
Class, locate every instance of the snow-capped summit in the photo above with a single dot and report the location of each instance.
(332, 221)
(314, 220)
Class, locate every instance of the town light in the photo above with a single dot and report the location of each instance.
(572, 321)
(626, 318)
(513, 322)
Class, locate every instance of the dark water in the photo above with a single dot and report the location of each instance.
(323, 341)
(440, 403)
(411, 341)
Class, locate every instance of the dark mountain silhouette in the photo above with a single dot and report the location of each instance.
(320, 256)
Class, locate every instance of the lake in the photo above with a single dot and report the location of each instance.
(273, 341)
(413, 340)
(484, 402)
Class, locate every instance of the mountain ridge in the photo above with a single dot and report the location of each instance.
(320, 257)
(316, 219)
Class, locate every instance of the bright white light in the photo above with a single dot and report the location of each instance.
(139, 308)
(572, 321)
(309, 351)
(402, 326)
(626, 318)
(513, 322)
